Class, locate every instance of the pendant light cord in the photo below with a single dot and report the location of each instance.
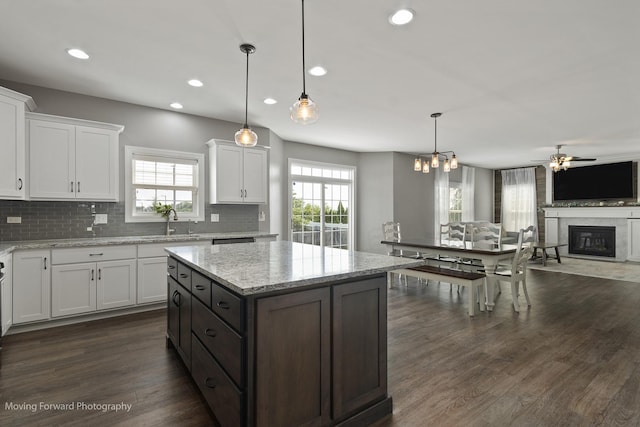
(304, 86)
(435, 135)
(246, 93)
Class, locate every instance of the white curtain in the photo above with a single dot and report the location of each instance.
(468, 193)
(518, 199)
(441, 199)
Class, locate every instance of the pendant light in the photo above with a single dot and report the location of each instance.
(245, 137)
(304, 111)
(420, 164)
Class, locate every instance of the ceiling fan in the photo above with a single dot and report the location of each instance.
(560, 160)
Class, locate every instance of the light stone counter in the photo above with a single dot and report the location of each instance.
(9, 247)
(253, 268)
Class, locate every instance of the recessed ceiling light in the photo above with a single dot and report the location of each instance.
(176, 105)
(401, 17)
(318, 71)
(195, 83)
(270, 101)
(78, 53)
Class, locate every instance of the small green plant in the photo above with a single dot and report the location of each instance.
(162, 209)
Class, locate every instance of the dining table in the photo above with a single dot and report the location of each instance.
(489, 256)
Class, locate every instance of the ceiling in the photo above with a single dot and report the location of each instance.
(512, 78)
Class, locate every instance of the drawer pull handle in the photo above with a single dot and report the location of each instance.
(176, 298)
(172, 267)
(19, 183)
(223, 305)
(210, 332)
(200, 287)
(100, 254)
(183, 275)
(209, 383)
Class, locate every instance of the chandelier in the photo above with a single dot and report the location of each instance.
(421, 163)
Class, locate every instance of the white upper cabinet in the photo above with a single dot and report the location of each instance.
(237, 174)
(72, 159)
(13, 106)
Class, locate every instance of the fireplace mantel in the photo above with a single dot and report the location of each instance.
(626, 219)
(592, 212)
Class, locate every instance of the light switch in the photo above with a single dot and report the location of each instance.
(215, 217)
(101, 219)
(14, 220)
(261, 216)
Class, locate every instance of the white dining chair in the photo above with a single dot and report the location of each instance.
(517, 274)
(391, 232)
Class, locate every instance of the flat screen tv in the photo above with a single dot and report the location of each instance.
(612, 181)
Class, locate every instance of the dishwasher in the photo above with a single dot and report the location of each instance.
(226, 240)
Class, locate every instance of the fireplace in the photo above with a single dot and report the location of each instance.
(592, 240)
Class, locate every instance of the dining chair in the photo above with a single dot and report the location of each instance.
(486, 235)
(518, 272)
(451, 234)
(391, 232)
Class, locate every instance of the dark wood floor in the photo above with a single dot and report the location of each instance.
(572, 359)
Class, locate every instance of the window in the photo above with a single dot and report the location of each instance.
(455, 202)
(321, 204)
(169, 177)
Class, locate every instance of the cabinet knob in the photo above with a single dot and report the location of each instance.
(209, 383)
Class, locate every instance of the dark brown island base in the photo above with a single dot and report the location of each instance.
(283, 334)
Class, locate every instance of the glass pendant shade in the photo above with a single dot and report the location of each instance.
(304, 111)
(454, 162)
(417, 164)
(245, 137)
(446, 167)
(425, 167)
(435, 162)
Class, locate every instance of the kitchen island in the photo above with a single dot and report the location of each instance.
(282, 333)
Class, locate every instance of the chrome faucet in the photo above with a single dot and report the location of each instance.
(175, 218)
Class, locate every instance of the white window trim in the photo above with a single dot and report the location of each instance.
(169, 155)
(306, 178)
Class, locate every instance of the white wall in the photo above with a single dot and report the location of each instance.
(374, 199)
(412, 198)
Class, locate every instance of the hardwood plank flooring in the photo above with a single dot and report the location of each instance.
(572, 359)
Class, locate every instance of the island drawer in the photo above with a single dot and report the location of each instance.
(201, 288)
(222, 396)
(228, 306)
(172, 267)
(184, 275)
(223, 343)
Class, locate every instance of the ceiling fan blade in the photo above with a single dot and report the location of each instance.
(583, 159)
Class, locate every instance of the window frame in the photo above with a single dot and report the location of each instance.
(132, 153)
(457, 186)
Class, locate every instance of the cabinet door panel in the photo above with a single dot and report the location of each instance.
(228, 186)
(96, 163)
(73, 289)
(292, 373)
(255, 173)
(52, 160)
(32, 286)
(152, 280)
(116, 284)
(359, 345)
(12, 144)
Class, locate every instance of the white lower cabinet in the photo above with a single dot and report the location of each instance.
(633, 227)
(152, 270)
(83, 287)
(7, 297)
(152, 279)
(31, 286)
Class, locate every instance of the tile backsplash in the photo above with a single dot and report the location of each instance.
(69, 220)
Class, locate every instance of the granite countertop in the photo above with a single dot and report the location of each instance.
(253, 268)
(8, 247)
